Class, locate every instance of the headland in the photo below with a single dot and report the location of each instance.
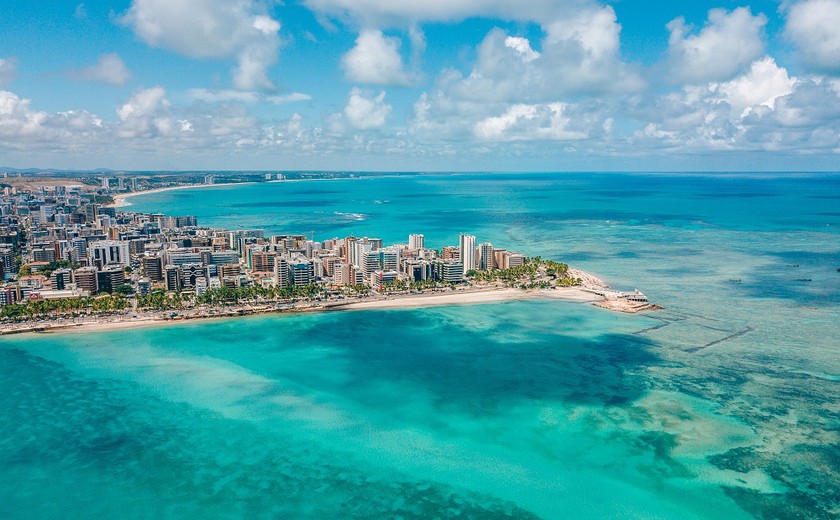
(74, 263)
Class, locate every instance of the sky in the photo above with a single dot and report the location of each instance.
(432, 85)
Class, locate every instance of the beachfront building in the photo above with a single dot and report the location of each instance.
(418, 270)
(466, 252)
(295, 270)
(85, 279)
(507, 259)
(449, 271)
(108, 279)
(485, 257)
(379, 279)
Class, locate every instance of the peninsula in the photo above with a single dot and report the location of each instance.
(69, 261)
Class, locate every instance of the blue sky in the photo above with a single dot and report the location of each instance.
(532, 85)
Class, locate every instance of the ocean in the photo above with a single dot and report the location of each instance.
(724, 405)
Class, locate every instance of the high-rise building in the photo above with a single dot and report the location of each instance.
(80, 245)
(108, 279)
(450, 253)
(379, 278)
(369, 263)
(347, 274)
(107, 252)
(416, 241)
(449, 271)
(466, 251)
(301, 272)
(86, 279)
(173, 278)
(153, 268)
(389, 259)
(262, 262)
(485, 256)
(191, 273)
(358, 250)
(43, 255)
(61, 278)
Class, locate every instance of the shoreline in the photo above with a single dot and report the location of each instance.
(389, 302)
(121, 201)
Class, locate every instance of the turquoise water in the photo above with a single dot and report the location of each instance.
(725, 405)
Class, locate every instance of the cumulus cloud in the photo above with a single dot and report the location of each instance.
(110, 70)
(529, 122)
(579, 55)
(212, 29)
(762, 85)
(375, 60)
(22, 128)
(147, 122)
(365, 111)
(515, 92)
(728, 43)
(763, 109)
(8, 69)
(812, 26)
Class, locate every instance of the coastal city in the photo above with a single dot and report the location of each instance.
(67, 253)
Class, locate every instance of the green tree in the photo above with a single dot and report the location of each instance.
(123, 289)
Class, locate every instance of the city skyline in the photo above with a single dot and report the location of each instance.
(338, 85)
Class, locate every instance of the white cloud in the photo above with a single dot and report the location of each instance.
(375, 60)
(212, 29)
(110, 69)
(523, 47)
(16, 119)
(80, 13)
(728, 43)
(364, 111)
(521, 90)
(146, 114)
(812, 25)
(144, 103)
(764, 109)
(529, 122)
(8, 70)
(762, 85)
(244, 96)
(22, 128)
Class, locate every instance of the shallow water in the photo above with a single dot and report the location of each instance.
(725, 405)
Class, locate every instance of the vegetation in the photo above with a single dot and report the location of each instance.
(527, 276)
(124, 289)
(253, 294)
(73, 306)
(102, 199)
(48, 269)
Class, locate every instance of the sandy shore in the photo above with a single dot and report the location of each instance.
(121, 200)
(405, 301)
(467, 297)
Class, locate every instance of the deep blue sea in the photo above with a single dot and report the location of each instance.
(725, 405)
